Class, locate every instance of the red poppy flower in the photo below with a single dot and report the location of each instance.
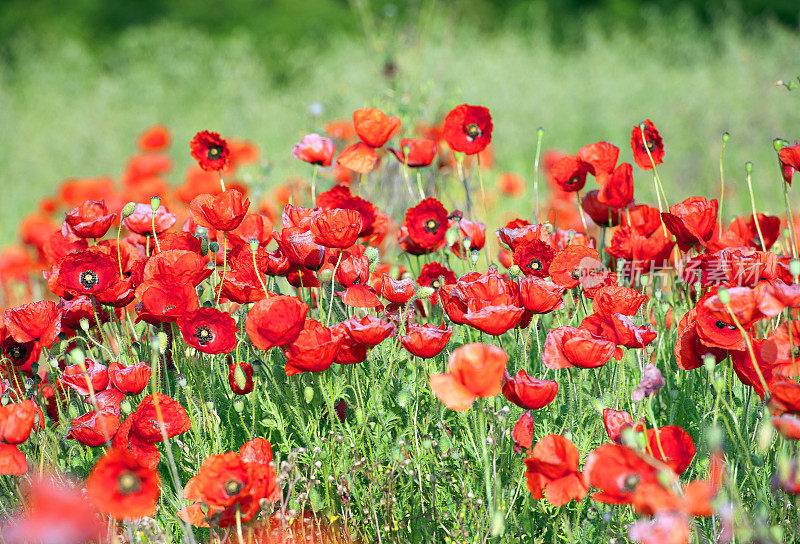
(615, 421)
(434, 275)
(716, 329)
(789, 158)
(692, 221)
(79, 379)
(165, 299)
(534, 258)
(208, 330)
(641, 253)
(689, 350)
(619, 329)
(616, 471)
(742, 232)
(573, 264)
(254, 226)
(519, 231)
(314, 349)
(223, 211)
(240, 378)
(210, 151)
(782, 349)
(552, 471)
(122, 487)
(141, 220)
(427, 223)
(130, 380)
(788, 425)
(468, 129)
(38, 322)
(275, 321)
(21, 354)
(88, 272)
(474, 370)
(529, 393)
(616, 299)
(522, 433)
(369, 330)
(359, 158)
(94, 428)
(339, 197)
(540, 296)
(650, 142)
(602, 214)
(642, 218)
(569, 173)
(601, 158)
(617, 190)
(12, 461)
(671, 445)
(16, 421)
(488, 302)
(426, 340)
(374, 127)
(397, 291)
(353, 266)
(416, 153)
(350, 351)
(145, 452)
(300, 248)
(338, 228)
(360, 296)
(89, 220)
(155, 138)
(472, 237)
(151, 424)
(315, 149)
(511, 184)
(567, 346)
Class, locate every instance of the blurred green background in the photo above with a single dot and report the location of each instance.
(80, 80)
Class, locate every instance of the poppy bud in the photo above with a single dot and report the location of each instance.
(239, 377)
(641, 441)
(84, 323)
(308, 394)
(72, 410)
(514, 271)
(372, 254)
(784, 465)
(125, 406)
(498, 523)
(213, 246)
(54, 363)
(203, 247)
(725, 137)
(238, 405)
(748, 167)
(139, 328)
(766, 433)
(5, 399)
(778, 144)
(665, 478)
(474, 255)
(709, 362)
(201, 231)
(128, 210)
(78, 357)
(451, 236)
(794, 267)
(162, 342)
(155, 203)
(204, 508)
(724, 296)
(424, 292)
(714, 438)
(325, 275)
(402, 398)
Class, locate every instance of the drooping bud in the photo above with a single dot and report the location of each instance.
(724, 296)
(424, 292)
(779, 143)
(725, 137)
(78, 357)
(84, 323)
(748, 167)
(238, 405)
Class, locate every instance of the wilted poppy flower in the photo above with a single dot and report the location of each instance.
(789, 158)
(224, 211)
(671, 445)
(141, 220)
(667, 527)
(359, 158)
(569, 173)
(210, 151)
(534, 258)
(38, 322)
(566, 346)
(650, 383)
(338, 228)
(315, 149)
(552, 471)
(527, 392)
(374, 127)
(89, 220)
(275, 321)
(122, 487)
(474, 370)
(240, 377)
(615, 421)
(397, 291)
(468, 129)
(692, 221)
(650, 142)
(539, 295)
(131, 379)
(208, 330)
(426, 340)
(427, 223)
(522, 433)
(416, 153)
(314, 349)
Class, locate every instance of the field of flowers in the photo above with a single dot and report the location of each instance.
(372, 352)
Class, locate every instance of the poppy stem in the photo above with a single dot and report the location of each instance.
(155, 236)
(580, 213)
(464, 182)
(221, 181)
(333, 288)
(419, 185)
(486, 250)
(725, 137)
(483, 434)
(539, 136)
(224, 266)
(748, 168)
(789, 219)
(314, 185)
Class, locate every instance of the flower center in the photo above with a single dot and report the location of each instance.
(473, 130)
(88, 279)
(232, 487)
(535, 264)
(631, 481)
(436, 283)
(203, 334)
(795, 352)
(431, 225)
(128, 483)
(576, 274)
(574, 180)
(214, 152)
(17, 352)
(651, 145)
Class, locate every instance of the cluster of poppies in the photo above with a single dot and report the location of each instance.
(200, 273)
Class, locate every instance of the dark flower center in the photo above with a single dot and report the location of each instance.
(722, 325)
(204, 334)
(473, 130)
(535, 264)
(795, 352)
(574, 180)
(17, 352)
(431, 225)
(631, 481)
(214, 152)
(436, 283)
(129, 483)
(576, 274)
(232, 487)
(651, 145)
(88, 279)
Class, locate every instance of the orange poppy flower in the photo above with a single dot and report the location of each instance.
(552, 471)
(374, 127)
(122, 487)
(359, 158)
(474, 370)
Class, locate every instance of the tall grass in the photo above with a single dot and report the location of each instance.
(67, 111)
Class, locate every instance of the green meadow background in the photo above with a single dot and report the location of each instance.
(78, 83)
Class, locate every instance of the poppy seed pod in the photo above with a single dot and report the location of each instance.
(155, 203)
